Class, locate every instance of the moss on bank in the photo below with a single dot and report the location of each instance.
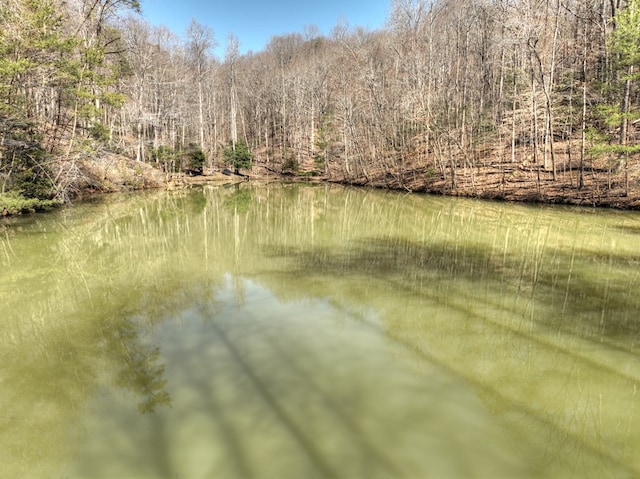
(14, 204)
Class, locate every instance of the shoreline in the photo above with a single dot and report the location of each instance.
(527, 188)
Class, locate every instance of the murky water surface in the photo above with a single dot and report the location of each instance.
(287, 331)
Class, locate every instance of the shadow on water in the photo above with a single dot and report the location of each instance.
(573, 299)
(461, 279)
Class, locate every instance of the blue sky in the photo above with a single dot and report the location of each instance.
(254, 22)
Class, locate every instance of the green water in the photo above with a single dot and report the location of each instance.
(286, 331)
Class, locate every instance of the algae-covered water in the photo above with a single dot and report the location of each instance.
(290, 331)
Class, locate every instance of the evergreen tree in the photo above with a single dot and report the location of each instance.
(196, 159)
(238, 155)
(626, 36)
(625, 42)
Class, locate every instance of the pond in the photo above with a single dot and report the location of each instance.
(293, 331)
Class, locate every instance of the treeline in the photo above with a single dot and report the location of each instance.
(60, 67)
(467, 96)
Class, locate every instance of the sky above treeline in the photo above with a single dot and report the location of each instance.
(254, 22)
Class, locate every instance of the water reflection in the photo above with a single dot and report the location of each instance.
(139, 369)
(278, 398)
(239, 201)
(293, 331)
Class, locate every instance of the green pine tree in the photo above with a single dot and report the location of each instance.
(625, 39)
(617, 116)
(625, 43)
(238, 156)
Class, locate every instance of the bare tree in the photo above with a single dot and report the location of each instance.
(200, 43)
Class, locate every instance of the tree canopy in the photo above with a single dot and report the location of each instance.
(460, 97)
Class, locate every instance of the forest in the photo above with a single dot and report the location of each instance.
(531, 100)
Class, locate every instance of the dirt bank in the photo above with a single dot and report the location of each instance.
(601, 183)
